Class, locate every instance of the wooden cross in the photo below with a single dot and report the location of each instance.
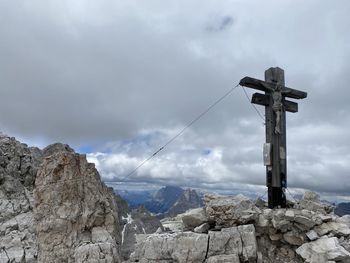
(275, 150)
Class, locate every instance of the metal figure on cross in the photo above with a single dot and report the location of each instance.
(276, 107)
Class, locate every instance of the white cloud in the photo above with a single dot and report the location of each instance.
(124, 76)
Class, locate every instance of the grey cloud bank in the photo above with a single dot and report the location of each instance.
(125, 76)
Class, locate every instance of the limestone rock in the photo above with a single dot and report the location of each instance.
(344, 219)
(311, 201)
(175, 247)
(312, 235)
(319, 258)
(194, 218)
(293, 238)
(173, 224)
(234, 240)
(233, 258)
(203, 228)
(96, 252)
(275, 252)
(229, 211)
(279, 221)
(75, 213)
(290, 214)
(334, 228)
(276, 236)
(136, 221)
(18, 167)
(272, 237)
(305, 221)
(249, 250)
(263, 221)
(327, 246)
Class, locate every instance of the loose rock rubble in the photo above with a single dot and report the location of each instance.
(234, 229)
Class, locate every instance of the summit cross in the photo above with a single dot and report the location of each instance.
(275, 148)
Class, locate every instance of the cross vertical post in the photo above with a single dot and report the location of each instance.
(276, 175)
(275, 148)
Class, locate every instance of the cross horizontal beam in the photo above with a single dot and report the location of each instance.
(268, 86)
(262, 99)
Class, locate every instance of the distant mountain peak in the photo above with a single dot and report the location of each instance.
(187, 200)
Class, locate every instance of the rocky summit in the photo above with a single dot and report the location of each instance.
(236, 230)
(18, 168)
(54, 207)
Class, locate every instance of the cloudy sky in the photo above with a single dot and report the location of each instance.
(117, 79)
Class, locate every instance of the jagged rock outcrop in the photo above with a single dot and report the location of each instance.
(72, 216)
(75, 214)
(18, 168)
(241, 232)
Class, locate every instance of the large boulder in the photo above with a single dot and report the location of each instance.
(75, 213)
(238, 241)
(174, 247)
(229, 211)
(329, 247)
(193, 218)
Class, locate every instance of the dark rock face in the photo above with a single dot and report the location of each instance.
(188, 199)
(342, 209)
(164, 199)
